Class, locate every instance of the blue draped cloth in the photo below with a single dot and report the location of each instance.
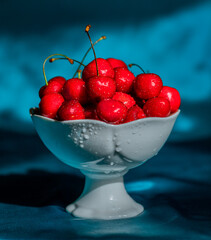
(174, 188)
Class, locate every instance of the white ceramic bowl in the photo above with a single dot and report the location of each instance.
(104, 153)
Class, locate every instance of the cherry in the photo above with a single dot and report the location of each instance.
(50, 103)
(134, 113)
(173, 96)
(58, 79)
(41, 91)
(111, 111)
(100, 88)
(124, 79)
(104, 67)
(71, 110)
(147, 85)
(75, 89)
(116, 63)
(54, 85)
(125, 98)
(157, 107)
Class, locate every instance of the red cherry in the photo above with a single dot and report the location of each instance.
(54, 85)
(58, 79)
(104, 67)
(50, 103)
(71, 110)
(116, 63)
(134, 113)
(157, 107)
(173, 96)
(147, 85)
(100, 88)
(75, 89)
(124, 79)
(125, 98)
(41, 91)
(111, 111)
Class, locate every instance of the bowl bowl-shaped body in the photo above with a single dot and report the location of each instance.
(96, 146)
(104, 153)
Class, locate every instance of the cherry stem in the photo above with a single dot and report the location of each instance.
(103, 37)
(79, 73)
(56, 54)
(133, 64)
(87, 31)
(54, 59)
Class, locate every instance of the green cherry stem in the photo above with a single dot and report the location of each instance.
(79, 73)
(56, 54)
(54, 59)
(133, 64)
(103, 37)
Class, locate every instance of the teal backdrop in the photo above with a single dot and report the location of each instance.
(170, 38)
(166, 37)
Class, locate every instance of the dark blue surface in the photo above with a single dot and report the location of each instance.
(174, 188)
(170, 38)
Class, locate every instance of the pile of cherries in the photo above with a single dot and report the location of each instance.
(108, 91)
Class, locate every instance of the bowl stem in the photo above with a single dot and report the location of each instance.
(104, 198)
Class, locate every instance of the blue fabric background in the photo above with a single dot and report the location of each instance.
(170, 38)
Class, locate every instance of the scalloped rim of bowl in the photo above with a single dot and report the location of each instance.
(175, 114)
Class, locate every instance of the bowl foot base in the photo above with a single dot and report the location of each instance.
(104, 199)
(87, 213)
